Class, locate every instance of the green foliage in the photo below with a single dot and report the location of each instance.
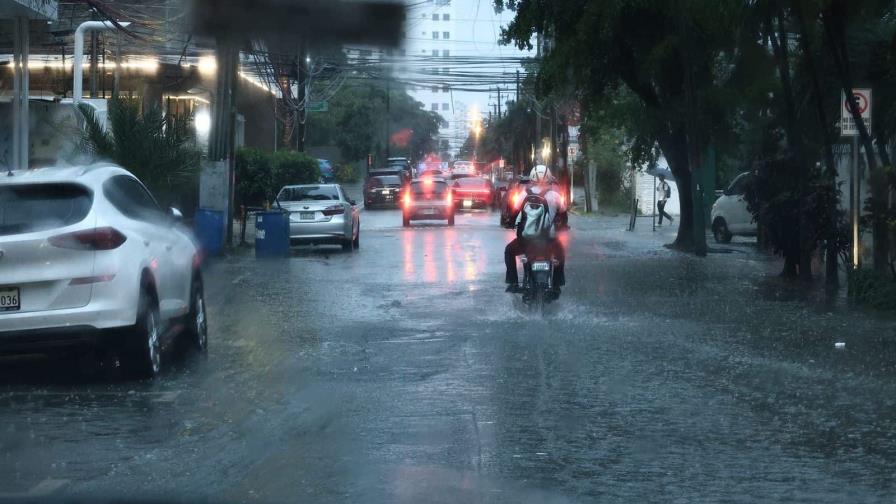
(157, 148)
(358, 124)
(872, 289)
(260, 174)
(346, 173)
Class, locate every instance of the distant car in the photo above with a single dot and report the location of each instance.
(427, 198)
(382, 191)
(405, 165)
(87, 256)
(321, 214)
(473, 192)
(434, 173)
(730, 215)
(463, 169)
(327, 175)
(390, 170)
(512, 200)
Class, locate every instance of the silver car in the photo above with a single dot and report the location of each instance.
(321, 214)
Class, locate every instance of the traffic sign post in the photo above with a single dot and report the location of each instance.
(862, 100)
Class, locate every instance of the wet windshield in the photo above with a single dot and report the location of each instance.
(308, 193)
(288, 251)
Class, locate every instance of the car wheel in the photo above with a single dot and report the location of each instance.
(720, 231)
(197, 323)
(451, 219)
(405, 220)
(144, 355)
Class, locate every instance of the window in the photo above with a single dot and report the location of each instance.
(129, 196)
(435, 17)
(444, 106)
(435, 106)
(446, 35)
(446, 17)
(26, 208)
(435, 52)
(308, 193)
(444, 88)
(445, 53)
(435, 89)
(444, 70)
(435, 35)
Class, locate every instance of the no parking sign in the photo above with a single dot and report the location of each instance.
(863, 102)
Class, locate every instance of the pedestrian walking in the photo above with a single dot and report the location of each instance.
(663, 192)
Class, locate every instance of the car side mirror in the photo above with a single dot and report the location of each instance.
(175, 214)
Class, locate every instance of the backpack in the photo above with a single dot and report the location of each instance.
(667, 191)
(535, 216)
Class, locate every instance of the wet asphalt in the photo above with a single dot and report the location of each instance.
(403, 373)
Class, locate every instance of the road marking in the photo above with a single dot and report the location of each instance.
(42, 489)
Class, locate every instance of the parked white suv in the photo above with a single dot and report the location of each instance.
(730, 215)
(88, 257)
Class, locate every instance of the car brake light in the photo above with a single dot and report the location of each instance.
(448, 198)
(562, 200)
(517, 199)
(104, 238)
(407, 199)
(333, 210)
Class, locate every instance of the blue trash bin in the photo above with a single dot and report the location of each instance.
(208, 225)
(272, 234)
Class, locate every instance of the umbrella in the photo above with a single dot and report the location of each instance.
(661, 171)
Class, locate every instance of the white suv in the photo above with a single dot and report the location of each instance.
(88, 257)
(730, 215)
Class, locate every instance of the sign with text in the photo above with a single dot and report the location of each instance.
(863, 102)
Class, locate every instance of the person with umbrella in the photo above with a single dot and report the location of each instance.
(663, 192)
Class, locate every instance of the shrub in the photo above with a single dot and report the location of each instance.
(346, 173)
(872, 289)
(291, 167)
(261, 174)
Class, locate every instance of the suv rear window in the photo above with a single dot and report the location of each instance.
(471, 182)
(27, 208)
(386, 180)
(429, 187)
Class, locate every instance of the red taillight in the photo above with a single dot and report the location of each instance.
(449, 198)
(562, 200)
(104, 238)
(407, 199)
(517, 199)
(333, 210)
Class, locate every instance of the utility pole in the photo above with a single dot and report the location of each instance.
(302, 91)
(388, 118)
(517, 86)
(220, 145)
(499, 103)
(94, 62)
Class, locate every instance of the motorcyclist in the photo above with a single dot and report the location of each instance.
(542, 185)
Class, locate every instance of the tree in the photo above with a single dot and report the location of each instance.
(665, 53)
(157, 148)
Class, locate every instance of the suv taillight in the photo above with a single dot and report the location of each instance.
(103, 238)
(333, 210)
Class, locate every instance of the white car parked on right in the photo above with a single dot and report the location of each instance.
(730, 215)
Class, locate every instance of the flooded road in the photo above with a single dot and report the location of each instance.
(403, 373)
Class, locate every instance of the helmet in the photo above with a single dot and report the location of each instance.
(540, 173)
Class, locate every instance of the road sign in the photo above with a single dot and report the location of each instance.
(863, 102)
(318, 106)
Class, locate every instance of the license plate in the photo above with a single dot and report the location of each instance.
(429, 211)
(306, 215)
(468, 203)
(9, 299)
(540, 266)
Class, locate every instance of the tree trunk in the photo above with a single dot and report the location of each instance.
(831, 273)
(675, 149)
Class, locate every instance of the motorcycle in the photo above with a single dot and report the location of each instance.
(538, 278)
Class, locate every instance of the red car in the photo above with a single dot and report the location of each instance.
(473, 192)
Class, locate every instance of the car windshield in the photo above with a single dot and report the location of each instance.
(436, 187)
(472, 183)
(308, 193)
(385, 181)
(28, 208)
